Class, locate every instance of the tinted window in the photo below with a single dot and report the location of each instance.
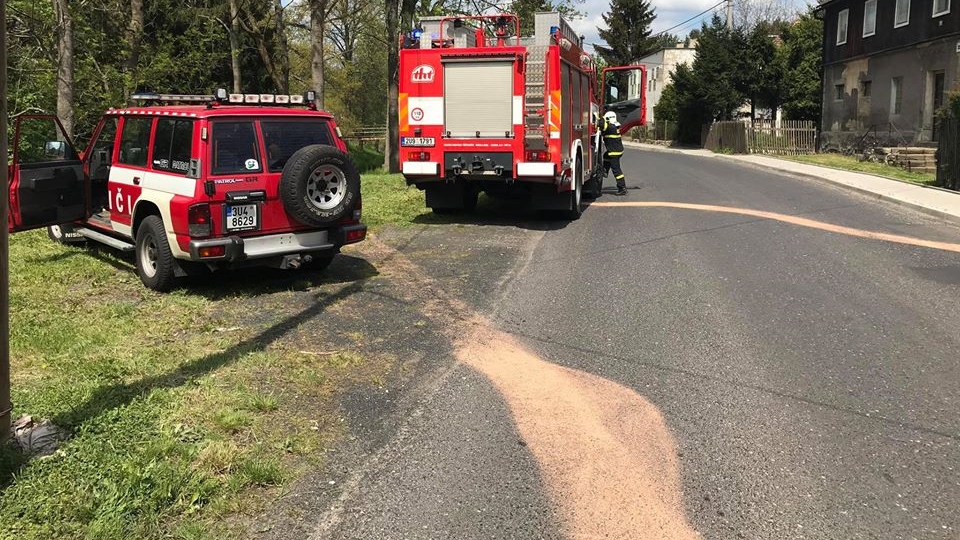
(134, 141)
(235, 148)
(284, 137)
(172, 144)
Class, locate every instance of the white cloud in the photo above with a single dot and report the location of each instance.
(669, 14)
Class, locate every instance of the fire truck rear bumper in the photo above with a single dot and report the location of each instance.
(421, 168)
(543, 170)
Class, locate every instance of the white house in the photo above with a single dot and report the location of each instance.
(660, 66)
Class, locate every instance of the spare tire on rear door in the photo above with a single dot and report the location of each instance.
(319, 185)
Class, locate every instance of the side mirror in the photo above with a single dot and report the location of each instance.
(55, 149)
(614, 93)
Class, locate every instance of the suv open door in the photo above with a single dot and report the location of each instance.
(47, 184)
(625, 93)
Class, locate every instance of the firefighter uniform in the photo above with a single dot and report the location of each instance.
(613, 146)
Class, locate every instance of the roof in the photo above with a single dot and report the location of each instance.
(217, 110)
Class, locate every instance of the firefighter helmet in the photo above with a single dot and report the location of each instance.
(611, 117)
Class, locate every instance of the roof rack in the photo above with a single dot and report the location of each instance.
(222, 97)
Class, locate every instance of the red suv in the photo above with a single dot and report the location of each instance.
(219, 182)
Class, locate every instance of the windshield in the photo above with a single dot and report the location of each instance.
(284, 137)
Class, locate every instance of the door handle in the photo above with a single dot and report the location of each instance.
(136, 180)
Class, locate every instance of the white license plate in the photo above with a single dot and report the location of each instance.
(242, 217)
(417, 141)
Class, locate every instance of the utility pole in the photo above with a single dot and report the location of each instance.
(5, 407)
(729, 14)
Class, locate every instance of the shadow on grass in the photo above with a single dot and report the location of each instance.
(248, 282)
(256, 281)
(119, 395)
(352, 271)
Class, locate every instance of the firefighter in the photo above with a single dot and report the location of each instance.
(613, 148)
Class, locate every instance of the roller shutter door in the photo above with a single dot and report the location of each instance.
(478, 96)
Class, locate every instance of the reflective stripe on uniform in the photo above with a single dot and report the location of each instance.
(620, 177)
(611, 136)
(614, 153)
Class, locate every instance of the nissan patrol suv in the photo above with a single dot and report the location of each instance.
(193, 183)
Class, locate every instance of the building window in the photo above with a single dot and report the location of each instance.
(896, 95)
(842, 19)
(870, 18)
(902, 15)
(866, 89)
(941, 7)
(839, 91)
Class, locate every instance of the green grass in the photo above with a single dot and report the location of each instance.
(178, 427)
(851, 163)
(387, 200)
(366, 157)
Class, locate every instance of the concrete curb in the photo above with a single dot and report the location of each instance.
(813, 174)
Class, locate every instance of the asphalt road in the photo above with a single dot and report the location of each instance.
(809, 380)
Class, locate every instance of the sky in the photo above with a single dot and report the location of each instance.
(669, 13)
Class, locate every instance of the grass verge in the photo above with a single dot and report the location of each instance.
(387, 200)
(851, 163)
(186, 421)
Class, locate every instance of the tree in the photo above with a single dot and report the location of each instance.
(713, 88)
(627, 35)
(666, 108)
(802, 58)
(762, 72)
(65, 75)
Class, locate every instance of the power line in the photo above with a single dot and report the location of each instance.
(702, 13)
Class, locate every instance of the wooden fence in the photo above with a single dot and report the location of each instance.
(788, 137)
(376, 135)
(727, 138)
(664, 130)
(948, 153)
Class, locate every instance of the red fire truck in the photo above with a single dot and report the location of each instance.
(483, 108)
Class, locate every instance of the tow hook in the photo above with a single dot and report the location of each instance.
(499, 170)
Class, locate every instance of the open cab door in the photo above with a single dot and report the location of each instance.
(625, 93)
(47, 184)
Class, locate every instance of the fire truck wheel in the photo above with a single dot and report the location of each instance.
(319, 185)
(576, 194)
(65, 234)
(155, 263)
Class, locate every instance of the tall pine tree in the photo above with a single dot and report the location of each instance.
(628, 33)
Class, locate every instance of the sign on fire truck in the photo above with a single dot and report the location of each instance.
(483, 108)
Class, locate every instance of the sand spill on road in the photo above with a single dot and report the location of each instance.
(605, 453)
(786, 218)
